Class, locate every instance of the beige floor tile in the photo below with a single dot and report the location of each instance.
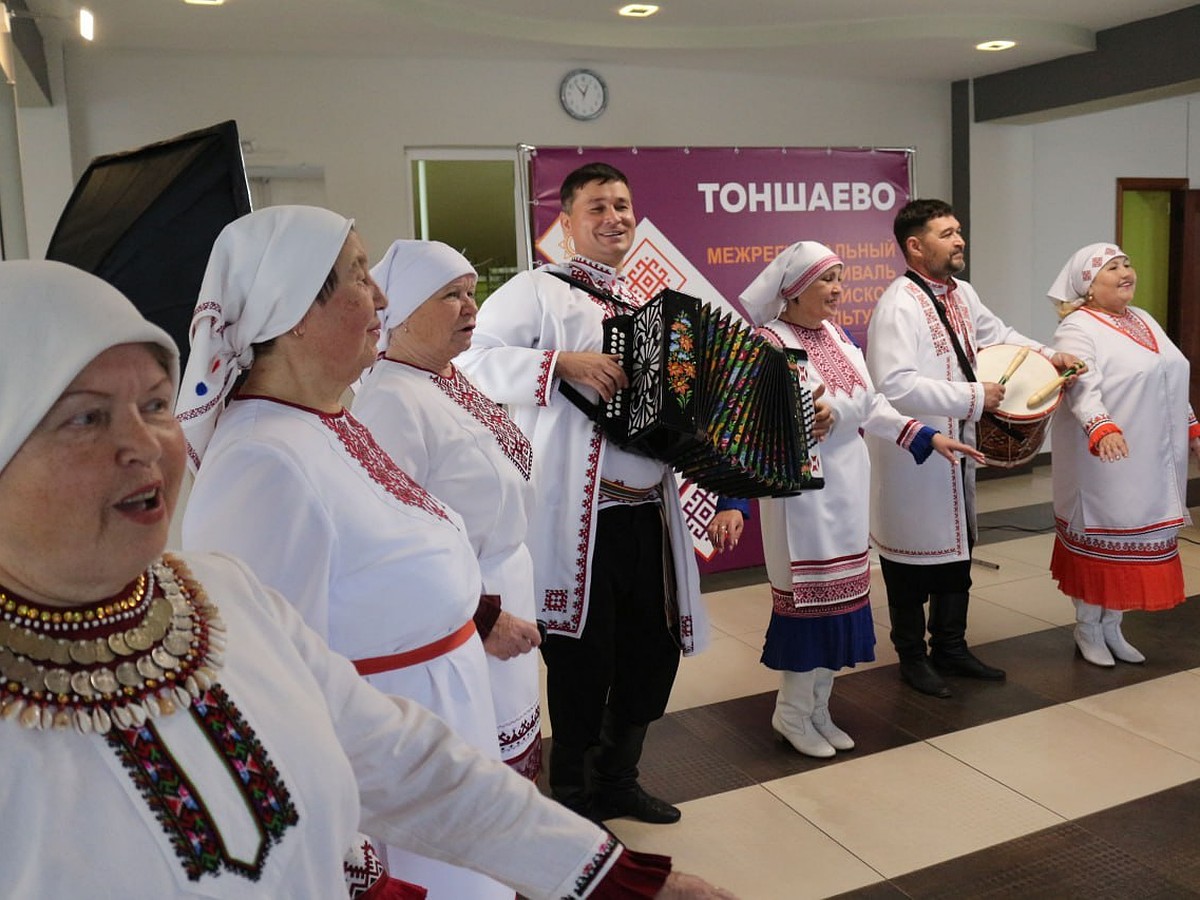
(1033, 550)
(990, 621)
(1038, 597)
(729, 668)
(1191, 580)
(754, 845)
(1165, 710)
(740, 611)
(1069, 761)
(910, 807)
(1008, 569)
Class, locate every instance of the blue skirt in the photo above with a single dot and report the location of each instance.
(795, 644)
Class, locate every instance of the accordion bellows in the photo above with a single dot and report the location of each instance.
(721, 405)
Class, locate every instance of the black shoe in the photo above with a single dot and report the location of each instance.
(919, 675)
(635, 803)
(966, 664)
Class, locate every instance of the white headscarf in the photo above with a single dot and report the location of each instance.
(57, 319)
(1071, 286)
(265, 271)
(410, 273)
(785, 277)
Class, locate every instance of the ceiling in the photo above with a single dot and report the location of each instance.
(913, 40)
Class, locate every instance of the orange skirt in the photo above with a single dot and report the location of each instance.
(1134, 584)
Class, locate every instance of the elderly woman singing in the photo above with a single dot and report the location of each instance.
(169, 726)
(464, 449)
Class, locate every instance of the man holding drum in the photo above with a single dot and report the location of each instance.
(922, 344)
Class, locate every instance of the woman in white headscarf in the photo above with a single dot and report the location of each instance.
(465, 450)
(169, 726)
(1119, 450)
(291, 482)
(816, 544)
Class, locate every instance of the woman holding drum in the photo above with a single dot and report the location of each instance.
(816, 544)
(1120, 454)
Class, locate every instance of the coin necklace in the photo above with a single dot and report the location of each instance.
(145, 654)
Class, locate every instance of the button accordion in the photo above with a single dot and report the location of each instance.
(724, 407)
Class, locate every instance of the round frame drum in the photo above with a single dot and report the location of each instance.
(1017, 437)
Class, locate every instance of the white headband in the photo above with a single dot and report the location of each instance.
(1075, 280)
(265, 271)
(57, 319)
(410, 273)
(785, 277)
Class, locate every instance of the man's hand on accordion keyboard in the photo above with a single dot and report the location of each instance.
(823, 423)
(600, 371)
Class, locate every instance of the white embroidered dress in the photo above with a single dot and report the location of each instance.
(468, 453)
(921, 516)
(816, 544)
(326, 750)
(1125, 513)
(519, 332)
(374, 563)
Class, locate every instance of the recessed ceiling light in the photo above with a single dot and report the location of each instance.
(204, 2)
(638, 10)
(996, 45)
(87, 25)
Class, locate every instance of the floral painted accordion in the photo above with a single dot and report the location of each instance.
(725, 408)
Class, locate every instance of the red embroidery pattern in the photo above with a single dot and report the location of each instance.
(571, 621)
(363, 871)
(1120, 548)
(1096, 421)
(528, 735)
(783, 603)
(909, 433)
(599, 276)
(595, 867)
(180, 809)
(1131, 325)
(375, 462)
(543, 380)
(836, 369)
(511, 439)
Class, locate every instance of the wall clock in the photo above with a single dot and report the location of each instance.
(583, 94)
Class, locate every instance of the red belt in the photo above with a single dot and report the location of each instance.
(375, 664)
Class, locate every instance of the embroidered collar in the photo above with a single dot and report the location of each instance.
(597, 274)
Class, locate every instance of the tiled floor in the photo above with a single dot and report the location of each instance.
(1065, 781)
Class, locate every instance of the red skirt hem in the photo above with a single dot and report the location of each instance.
(1134, 585)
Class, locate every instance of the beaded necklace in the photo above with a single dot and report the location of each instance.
(118, 662)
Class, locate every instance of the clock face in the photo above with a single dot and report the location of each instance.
(582, 94)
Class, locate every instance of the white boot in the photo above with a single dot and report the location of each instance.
(1088, 636)
(1110, 624)
(792, 718)
(822, 688)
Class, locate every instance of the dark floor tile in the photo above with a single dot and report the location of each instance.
(677, 767)
(1065, 861)
(881, 693)
(1162, 830)
(1018, 522)
(883, 890)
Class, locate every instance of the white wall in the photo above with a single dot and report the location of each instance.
(355, 116)
(1039, 192)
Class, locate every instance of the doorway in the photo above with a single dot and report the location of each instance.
(469, 198)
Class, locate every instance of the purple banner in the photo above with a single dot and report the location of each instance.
(709, 220)
(728, 210)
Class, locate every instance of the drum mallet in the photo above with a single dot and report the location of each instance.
(1038, 397)
(1014, 365)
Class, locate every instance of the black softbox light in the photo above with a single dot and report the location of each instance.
(145, 220)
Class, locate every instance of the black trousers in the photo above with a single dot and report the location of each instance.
(627, 656)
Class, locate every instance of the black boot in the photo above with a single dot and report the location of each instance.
(568, 778)
(616, 789)
(908, 637)
(948, 643)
